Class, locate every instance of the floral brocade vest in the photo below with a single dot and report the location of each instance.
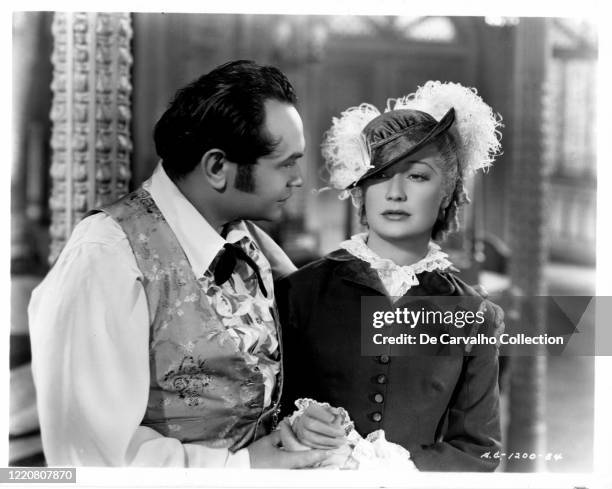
(203, 388)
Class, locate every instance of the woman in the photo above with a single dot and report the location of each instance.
(405, 170)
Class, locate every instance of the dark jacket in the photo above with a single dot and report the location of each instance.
(443, 409)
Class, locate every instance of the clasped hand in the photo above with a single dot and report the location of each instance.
(320, 427)
(309, 443)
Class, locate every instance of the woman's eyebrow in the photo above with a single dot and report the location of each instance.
(419, 162)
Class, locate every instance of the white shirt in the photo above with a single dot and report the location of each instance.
(89, 329)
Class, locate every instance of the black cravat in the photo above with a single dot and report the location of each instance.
(227, 263)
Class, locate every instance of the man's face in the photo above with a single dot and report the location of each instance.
(275, 175)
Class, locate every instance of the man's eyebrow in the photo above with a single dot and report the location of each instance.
(293, 156)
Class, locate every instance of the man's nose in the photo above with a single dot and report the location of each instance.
(296, 178)
(395, 188)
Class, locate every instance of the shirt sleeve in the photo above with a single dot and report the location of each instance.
(89, 329)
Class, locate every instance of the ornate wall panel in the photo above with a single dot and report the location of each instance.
(91, 115)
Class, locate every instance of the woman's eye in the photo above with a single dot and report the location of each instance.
(418, 177)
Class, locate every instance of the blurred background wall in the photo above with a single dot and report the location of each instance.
(531, 226)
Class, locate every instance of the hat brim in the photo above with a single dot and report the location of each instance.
(440, 128)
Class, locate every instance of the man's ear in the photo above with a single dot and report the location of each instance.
(215, 169)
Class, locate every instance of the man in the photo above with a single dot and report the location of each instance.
(154, 336)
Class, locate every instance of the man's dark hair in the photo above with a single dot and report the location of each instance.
(223, 109)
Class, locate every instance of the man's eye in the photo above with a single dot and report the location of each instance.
(290, 164)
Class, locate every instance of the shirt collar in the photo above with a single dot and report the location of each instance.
(199, 240)
(397, 279)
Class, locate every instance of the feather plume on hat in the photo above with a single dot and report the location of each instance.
(345, 150)
(476, 125)
(476, 128)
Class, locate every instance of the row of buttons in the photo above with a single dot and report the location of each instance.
(378, 397)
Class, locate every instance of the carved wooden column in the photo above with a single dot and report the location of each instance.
(526, 432)
(91, 115)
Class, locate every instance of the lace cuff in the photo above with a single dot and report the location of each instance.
(371, 452)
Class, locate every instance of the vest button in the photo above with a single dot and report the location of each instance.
(384, 359)
(381, 379)
(376, 417)
(378, 398)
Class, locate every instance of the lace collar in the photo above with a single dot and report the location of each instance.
(396, 279)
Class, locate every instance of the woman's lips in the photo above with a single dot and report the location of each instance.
(395, 215)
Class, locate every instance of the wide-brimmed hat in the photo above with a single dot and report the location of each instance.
(362, 141)
(395, 135)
